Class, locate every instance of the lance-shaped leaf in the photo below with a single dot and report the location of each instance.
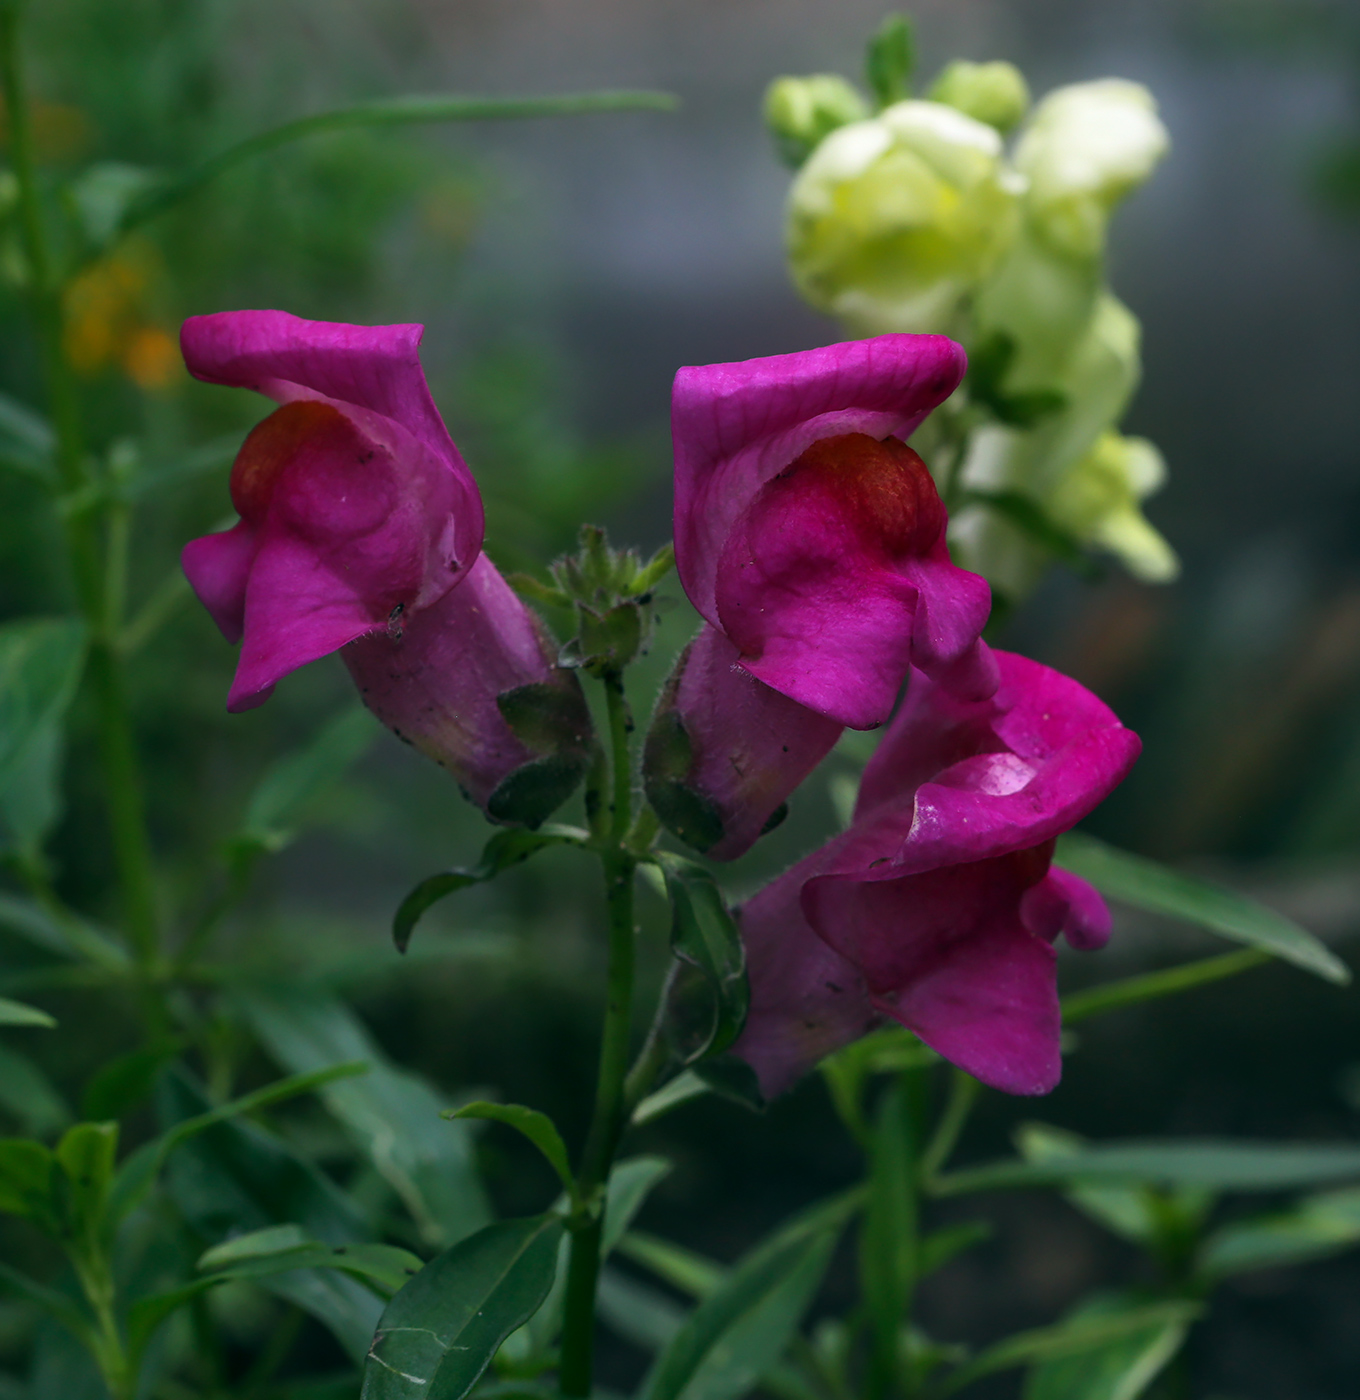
(536, 1126)
(505, 849)
(741, 1328)
(27, 1093)
(1147, 885)
(708, 996)
(18, 1013)
(391, 1113)
(439, 1333)
(1120, 1369)
(1313, 1228)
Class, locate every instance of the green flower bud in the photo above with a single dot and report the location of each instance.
(1098, 502)
(893, 221)
(995, 93)
(1085, 148)
(801, 112)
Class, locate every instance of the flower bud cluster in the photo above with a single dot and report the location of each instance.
(917, 216)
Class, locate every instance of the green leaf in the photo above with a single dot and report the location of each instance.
(72, 938)
(630, 1183)
(281, 798)
(126, 1081)
(682, 1268)
(138, 1172)
(706, 1007)
(890, 60)
(26, 1172)
(1145, 884)
(940, 1246)
(1314, 1228)
(40, 666)
(684, 1087)
(1128, 991)
(505, 849)
(102, 194)
(390, 1113)
(742, 1327)
(234, 1178)
(536, 1126)
(1121, 1369)
(86, 1154)
(638, 1313)
(281, 1248)
(26, 440)
(396, 111)
(1214, 1163)
(17, 1013)
(28, 1094)
(1078, 1336)
(439, 1333)
(56, 1305)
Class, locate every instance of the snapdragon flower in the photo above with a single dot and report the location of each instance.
(361, 532)
(939, 906)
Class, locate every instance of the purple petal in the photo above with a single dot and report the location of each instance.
(806, 1000)
(750, 745)
(736, 426)
(218, 568)
(1064, 903)
(434, 680)
(945, 953)
(374, 368)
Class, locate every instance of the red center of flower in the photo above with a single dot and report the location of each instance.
(273, 443)
(882, 488)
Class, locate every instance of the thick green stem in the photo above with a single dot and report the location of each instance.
(587, 1226)
(80, 511)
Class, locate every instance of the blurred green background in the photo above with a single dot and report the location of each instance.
(564, 270)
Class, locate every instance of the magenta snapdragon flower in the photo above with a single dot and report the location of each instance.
(938, 908)
(812, 537)
(361, 532)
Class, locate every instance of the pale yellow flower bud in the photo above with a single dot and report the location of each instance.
(801, 112)
(895, 220)
(1087, 146)
(995, 93)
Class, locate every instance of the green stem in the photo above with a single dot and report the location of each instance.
(122, 782)
(963, 1092)
(607, 1123)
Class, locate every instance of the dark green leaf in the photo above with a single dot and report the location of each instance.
(891, 60)
(1078, 1337)
(535, 790)
(69, 939)
(31, 800)
(684, 1087)
(102, 194)
(682, 1268)
(28, 1094)
(17, 1013)
(1120, 1369)
(1147, 885)
(1216, 1164)
(705, 1013)
(56, 1305)
(667, 758)
(86, 1154)
(439, 1333)
(505, 849)
(26, 439)
(630, 1183)
(638, 1313)
(743, 1325)
(283, 794)
(126, 1081)
(1128, 991)
(536, 1126)
(940, 1246)
(546, 717)
(26, 1172)
(397, 111)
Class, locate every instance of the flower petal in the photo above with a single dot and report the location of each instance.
(736, 426)
(375, 368)
(1065, 903)
(218, 568)
(739, 751)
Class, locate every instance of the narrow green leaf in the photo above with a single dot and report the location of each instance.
(439, 1333)
(630, 1183)
(1121, 1369)
(56, 1305)
(17, 1013)
(1145, 884)
(280, 1248)
(890, 60)
(639, 1314)
(397, 111)
(294, 781)
(391, 1114)
(138, 1172)
(684, 1087)
(30, 1096)
(940, 1246)
(71, 938)
(742, 1326)
(126, 1081)
(505, 849)
(26, 1172)
(536, 1126)
(682, 1268)
(26, 438)
(1217, 1164)
(706, 1007)
(1128, 991)
(1314, 1228)
(1077, 1337)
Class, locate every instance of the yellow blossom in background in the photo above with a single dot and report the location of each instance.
(108, 322)
(893, 221)
(1098, 501)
